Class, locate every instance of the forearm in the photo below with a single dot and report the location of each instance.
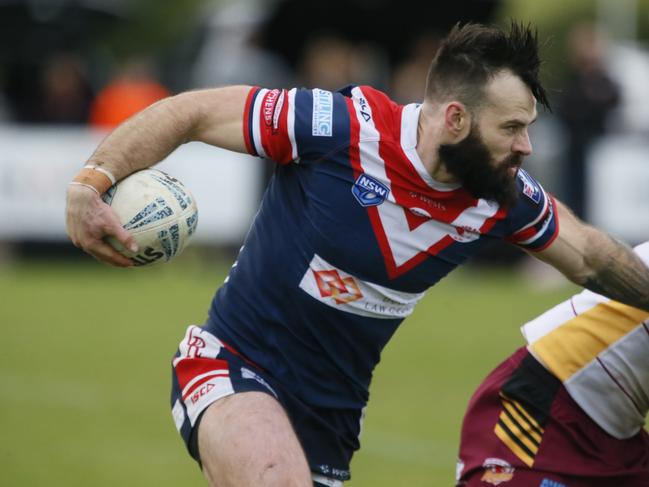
(212, 116)
(591, 258)
(143, 140)
(617, 272)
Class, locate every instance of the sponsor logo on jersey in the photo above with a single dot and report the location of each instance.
(269, 106)
(551, 483)
(277, 112)
(530, 188)
(428, 201)
(364, 109)
(420, 212)
(497, 471)
(368, 191)
(465, 234)
(323, 105)
(340, 290)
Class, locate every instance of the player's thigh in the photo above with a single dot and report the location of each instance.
(247, 439)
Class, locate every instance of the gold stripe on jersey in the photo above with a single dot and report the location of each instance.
(524, 422)
(508, 438)
(518, 431)
(571, 346)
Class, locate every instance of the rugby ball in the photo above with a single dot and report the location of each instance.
(158, 210)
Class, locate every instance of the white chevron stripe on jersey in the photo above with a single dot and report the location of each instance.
(405, 243)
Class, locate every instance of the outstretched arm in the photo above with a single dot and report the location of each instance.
(596, 261)
(213, 116)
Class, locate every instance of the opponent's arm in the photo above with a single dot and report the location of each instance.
(213, 116)
(596, 261)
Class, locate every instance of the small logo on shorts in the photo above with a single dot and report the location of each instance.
(368, 191)
(249, 374)
(201, 391)
(497, 471)
(551, 483)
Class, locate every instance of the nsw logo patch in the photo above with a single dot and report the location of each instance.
(530, 188)
(368, 191)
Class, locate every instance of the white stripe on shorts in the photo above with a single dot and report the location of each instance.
(329, 482)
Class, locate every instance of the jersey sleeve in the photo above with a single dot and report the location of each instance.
(295, 125)
(533, 220)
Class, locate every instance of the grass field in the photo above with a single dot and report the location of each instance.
(85, 361)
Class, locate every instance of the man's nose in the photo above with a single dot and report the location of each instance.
(522, 144)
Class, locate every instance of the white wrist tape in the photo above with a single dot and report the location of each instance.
(105, 172)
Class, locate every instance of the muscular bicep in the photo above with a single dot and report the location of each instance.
(218, 115)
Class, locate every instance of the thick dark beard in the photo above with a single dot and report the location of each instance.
(470, 161)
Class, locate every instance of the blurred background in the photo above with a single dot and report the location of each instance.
(84, 373)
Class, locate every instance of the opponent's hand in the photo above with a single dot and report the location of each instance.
(89, 220)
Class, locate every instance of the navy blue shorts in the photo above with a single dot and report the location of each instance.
(205, 369)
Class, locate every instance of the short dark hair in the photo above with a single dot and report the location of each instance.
(472, 54)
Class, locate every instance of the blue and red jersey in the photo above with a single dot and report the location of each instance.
(351, 232)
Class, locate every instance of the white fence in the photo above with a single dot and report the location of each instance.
(618, 187)
(36, 164)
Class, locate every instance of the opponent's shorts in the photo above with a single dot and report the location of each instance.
(206, 369)
(522, 429)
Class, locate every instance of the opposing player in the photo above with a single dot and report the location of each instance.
(371, 204)
(568, 410)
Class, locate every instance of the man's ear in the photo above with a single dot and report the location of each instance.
(456, 119)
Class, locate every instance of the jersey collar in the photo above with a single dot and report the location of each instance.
(409, 121)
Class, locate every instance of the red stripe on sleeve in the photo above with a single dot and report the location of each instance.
(556, 227)
(523, 234)
(529, 232)
(273, 126)
(247, 113)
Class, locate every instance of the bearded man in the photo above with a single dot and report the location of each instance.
(371, 203)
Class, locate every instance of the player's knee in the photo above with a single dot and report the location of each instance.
(247, 439)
